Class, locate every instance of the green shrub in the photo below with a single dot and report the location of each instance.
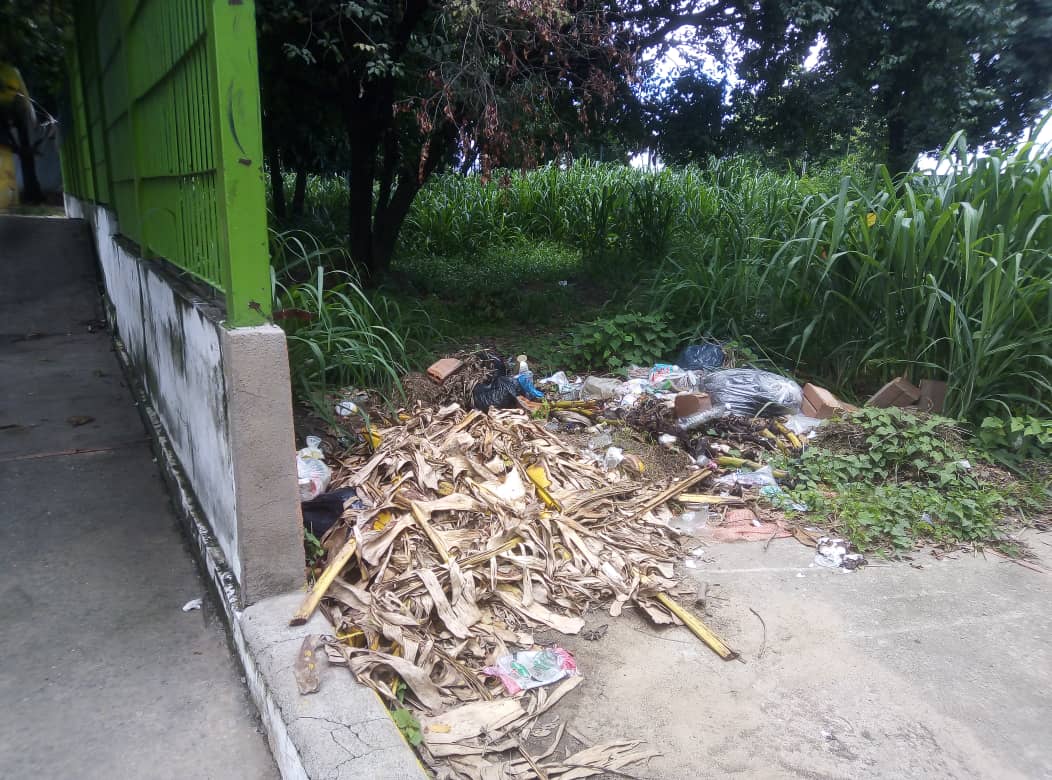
(622, 340)
(1016, 439)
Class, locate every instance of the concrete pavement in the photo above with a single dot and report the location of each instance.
(103, 675)
(935, 669)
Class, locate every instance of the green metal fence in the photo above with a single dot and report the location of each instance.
(164, 129)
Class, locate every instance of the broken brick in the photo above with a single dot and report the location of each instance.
(739, 516)
(898, 392)
(808, 409)
(442, 369)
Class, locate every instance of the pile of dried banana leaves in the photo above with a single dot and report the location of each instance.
(483, 530)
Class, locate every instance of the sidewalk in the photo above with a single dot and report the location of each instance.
(103, 675)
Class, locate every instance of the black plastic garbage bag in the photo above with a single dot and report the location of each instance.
(321, 512)
(499, 389)
(500, 392)
(701, 357)
(753, 393)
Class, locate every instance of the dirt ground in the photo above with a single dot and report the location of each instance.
(911, 669)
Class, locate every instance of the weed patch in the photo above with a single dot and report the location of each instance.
(612, 343)
(892, 478)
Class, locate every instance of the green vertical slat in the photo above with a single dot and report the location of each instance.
(125, 70)
(92, 50)
(238, 152)
(90, 189)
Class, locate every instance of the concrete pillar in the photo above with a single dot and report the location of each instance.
(262, 448)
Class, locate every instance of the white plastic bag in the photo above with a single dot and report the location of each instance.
(562, 383)
(602, 388)
(613, 458)
(313, 473)
(801, 424)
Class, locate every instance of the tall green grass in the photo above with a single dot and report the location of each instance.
(337, 334)
(844, 276)
(937, 275)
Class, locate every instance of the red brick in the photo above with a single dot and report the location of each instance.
(687, 404)
(808, 409)
(898, 392)
(443, 369)
(932, 395)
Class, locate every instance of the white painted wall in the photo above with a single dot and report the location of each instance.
(175, 349)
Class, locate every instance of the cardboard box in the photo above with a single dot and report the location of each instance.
(932, 396)
(442, 369)
(687, 404)
(898, 392)
(823, 403)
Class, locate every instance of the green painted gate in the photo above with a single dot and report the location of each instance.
(164, 129)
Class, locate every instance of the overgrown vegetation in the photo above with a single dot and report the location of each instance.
(337, 335)
(890, 477)
(1015, 440)
(613, 343)
(839, 276)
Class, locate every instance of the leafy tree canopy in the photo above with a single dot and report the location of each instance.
(416, 83)
(32, 39)
(896, 77)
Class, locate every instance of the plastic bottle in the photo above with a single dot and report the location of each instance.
(525, 380)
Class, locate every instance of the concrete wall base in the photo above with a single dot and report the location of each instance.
(222, 399)
(341, 732)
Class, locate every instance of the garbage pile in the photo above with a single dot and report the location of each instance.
(466, 538)
(476, 523)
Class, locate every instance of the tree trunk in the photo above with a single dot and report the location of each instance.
(277, 183)
(390, 219)
(360, 211)
(900, 156)
(31, 184)
(469, 160)
(299, 193)
(367, 116)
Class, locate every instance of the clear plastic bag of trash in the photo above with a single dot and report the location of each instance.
(311, 469)
(690, 523)
(601, 387)
(613, 457)
(672, 378)
(801, 424)
(779, 499)
(836, 553)
(763, 477)
(753, 393)
(563, 384)
(701, 357)
(532, 668)
(697, 420)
